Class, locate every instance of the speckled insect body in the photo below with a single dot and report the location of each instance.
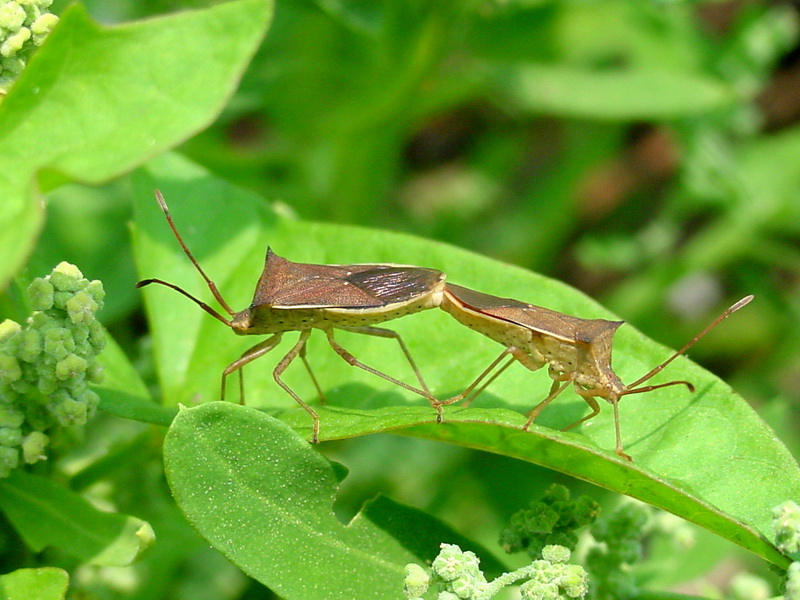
(302, 297)
(576, 351)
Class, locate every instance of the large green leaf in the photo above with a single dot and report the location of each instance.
(46, 583)
(263, 497)
(47, 514)
(95, 102)
(706, 456)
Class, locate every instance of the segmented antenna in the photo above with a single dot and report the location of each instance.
(732, 309)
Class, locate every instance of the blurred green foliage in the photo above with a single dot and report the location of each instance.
(645, 151)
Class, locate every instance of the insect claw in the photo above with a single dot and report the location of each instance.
(623, 455)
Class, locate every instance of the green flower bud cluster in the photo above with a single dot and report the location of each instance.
(792, 585)
(24, 25)
(47, 365)
(786, 523)
(457, 576)
(552, 520)
(621, 534)
(554, 579)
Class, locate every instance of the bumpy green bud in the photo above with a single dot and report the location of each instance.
(575, 581)
(70, 412)
(97, 336)
(787, 527)
(10, 416)
(12, 16)
(67, 278)
(8, 329)
(42, 27)
(45, 365)
(81, 308)
(466, 587)
(15, 42)
(91, 400)
(10, 370)
(449, 564)
(9, 459)
(10, 436)
(96, 291)
(556, 554)
(58, 343)
(30, 345)
(95, 373)
(33, 447)
(40, 291)
(48, 384)
(531, 590)
(416, 581)
(71, 366)
(792, 588)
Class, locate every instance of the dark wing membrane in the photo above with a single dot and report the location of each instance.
(286, 284)
(391, 284)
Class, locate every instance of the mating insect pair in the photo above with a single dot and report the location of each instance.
(301, 297)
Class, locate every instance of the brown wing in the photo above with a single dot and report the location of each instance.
(536, 318)
(286, 284)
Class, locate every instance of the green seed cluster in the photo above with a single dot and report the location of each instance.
(786, 523)
(24, 25)
(552, 520)
(47, 365)
(621, 534)
(553, 578)
(456, 575)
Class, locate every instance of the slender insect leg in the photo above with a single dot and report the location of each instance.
(311, 373)
(471, 393)
(557, 387)
(388, 333)
(593, 404)
(615, 404)
(281, 367)
(249, 355)
(518, 355)
(353, 361)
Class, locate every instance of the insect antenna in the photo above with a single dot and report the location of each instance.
(211, 285)
(200, 303)
(633, 387)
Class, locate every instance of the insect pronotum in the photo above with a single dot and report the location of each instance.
(577, 351)
(301, 297)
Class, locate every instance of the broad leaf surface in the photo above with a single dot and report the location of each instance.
(706, 456)
(47, 514)
(46, 583)
(95, 102)
(263, 497)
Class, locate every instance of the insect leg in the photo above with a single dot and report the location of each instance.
(281, 367)
(353, 361)
(590, 400)
(388, 333)
(470, 393)
(249, 355)
(311, 374)
(615, 404)
(557, 387)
